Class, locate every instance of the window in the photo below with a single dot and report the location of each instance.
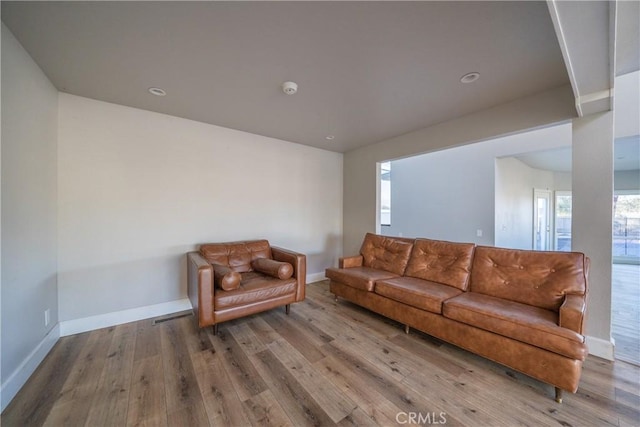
(385, 194)
(626, 226)
(563, 221)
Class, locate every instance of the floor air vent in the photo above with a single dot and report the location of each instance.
(171, 316)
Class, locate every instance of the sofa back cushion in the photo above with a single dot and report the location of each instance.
(540, 279)
(236, 255)
(386, 253)
(443, 262)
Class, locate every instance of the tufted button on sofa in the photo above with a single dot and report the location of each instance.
(231, 280)
(524, 309)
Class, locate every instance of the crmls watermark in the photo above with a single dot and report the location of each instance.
(421, 418)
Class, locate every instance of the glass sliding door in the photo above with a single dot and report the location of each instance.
(626, 227)
(541, 220)
(562, 234)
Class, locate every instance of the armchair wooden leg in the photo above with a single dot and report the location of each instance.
(287, 308)
(406, 329)
(215, 329)
(558, 395)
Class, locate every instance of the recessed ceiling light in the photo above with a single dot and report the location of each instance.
(157, 91)
(470, 77)
(329, 137)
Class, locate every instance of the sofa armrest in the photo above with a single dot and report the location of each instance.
(200, 288)
(299, 263)
(572, 312)
(351, 261)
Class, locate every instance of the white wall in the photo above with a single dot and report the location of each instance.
(29, 214)
(515, 182)
(450, 194)
(592, 219)
(514, 204)
(627, 105)
(137, 190)
(562, 181)
(627, 180)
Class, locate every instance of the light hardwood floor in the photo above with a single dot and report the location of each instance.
(326, 364)
(625, 312)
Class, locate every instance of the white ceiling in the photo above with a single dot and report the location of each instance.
(367, 71)
(626, 156)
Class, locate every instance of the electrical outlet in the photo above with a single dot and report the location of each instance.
(479, 232)
(47, 317)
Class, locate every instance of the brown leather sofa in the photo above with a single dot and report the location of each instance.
(231, 280)
(523, 309)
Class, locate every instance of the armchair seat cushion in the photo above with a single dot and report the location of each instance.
(522, 322)
(254, 287)
(417, 292)
(363, 278)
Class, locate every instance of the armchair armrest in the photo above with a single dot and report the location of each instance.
(200, 288)
(299, 263)
(351, 261)
(572, 312)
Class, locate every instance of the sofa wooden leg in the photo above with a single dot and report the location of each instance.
(215, 329)
(287, 308)
(406, 329)
(558, 395)
(335, 298)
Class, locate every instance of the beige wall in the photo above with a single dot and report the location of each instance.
(138, 189)
(29, 205)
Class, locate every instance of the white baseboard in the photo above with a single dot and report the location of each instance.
(315, 277)
(19, 377)
(601, 348)
(76, 326)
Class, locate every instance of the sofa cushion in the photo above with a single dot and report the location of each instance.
(417, 293)
(532, 325)
(237, 255)
(225, 278)
(386, 253)
(278, 269)
(443, 262)
(254, 287)
(535, 278)
(363, 278)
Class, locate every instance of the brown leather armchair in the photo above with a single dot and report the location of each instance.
(231, 280)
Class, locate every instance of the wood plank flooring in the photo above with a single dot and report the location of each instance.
(625, 312)
(326, 364)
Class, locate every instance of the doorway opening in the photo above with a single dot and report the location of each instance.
(541, 220)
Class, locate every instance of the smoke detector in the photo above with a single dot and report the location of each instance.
(289, 88)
